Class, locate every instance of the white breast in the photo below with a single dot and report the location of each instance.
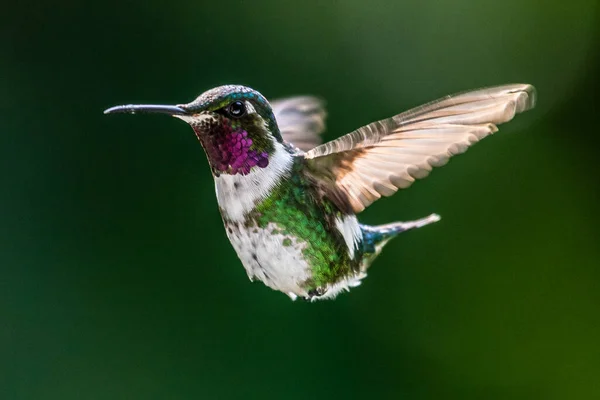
(238, 194)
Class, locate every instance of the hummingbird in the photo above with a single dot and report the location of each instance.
(289, 203)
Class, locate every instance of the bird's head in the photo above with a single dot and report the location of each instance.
(235, 125)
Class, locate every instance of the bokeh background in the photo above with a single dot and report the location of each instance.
(118, 282)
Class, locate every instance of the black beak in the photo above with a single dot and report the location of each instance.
(146, 108)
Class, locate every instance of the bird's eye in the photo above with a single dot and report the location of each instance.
(237, 109)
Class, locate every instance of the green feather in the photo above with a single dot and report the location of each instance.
(298, 212)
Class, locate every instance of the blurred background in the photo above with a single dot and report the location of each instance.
(117, 280)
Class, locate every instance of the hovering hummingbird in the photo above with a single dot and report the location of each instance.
(289, 203)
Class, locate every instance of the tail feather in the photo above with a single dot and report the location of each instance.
(375, 237)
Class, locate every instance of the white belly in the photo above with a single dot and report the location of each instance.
(273, 258)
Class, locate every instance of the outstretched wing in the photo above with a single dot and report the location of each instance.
(301, 120)
(378, 159)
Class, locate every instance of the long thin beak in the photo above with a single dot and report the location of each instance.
(146, 108)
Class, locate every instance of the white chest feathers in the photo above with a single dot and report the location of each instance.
(271, 257)
(238, 194)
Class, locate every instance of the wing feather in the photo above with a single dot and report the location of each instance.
(384, 156)
(301, 120)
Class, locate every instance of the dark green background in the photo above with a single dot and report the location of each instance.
(118, 282)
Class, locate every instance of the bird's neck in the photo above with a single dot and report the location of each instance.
(238, 194)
